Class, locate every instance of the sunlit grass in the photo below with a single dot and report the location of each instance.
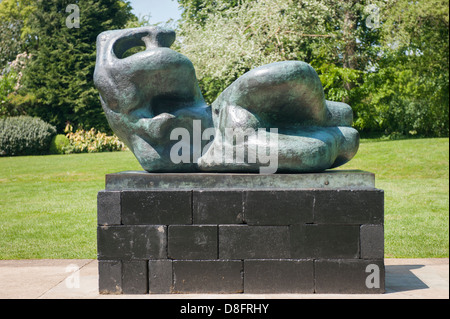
(48, 203)
(414, 175)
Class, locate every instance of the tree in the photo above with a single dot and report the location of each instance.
(14, 34)
(406, 92)
(387, 59)
(227, 42)
(11, 103)
(10, 42)
(60, 74)
(417, 34)
(199, 11)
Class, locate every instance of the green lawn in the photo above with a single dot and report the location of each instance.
(48, 203)
(415, 177)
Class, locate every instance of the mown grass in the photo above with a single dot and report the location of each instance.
(48, 203)
(414, 174)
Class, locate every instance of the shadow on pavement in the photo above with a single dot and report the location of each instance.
(401, 278)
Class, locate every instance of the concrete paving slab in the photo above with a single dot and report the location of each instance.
(78, 279)
(31, 279)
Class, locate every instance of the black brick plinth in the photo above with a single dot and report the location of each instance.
(325, 235)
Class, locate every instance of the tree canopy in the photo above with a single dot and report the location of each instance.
(388, 59)
(57, 83)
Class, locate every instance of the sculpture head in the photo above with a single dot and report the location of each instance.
(152, 97)
(147, 95)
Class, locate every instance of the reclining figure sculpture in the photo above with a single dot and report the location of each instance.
(272, 119)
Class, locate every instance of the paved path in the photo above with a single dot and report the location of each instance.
(69, 279)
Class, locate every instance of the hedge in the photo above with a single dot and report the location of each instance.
(25, 135)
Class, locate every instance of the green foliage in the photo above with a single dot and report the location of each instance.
(399, 101)
(25, 135)
(91, 141)
(198, 11)
(225, 43)
(7, 84)
(394, 75)
(16, 35)
(19, 10)
(11, 102)
(334, 78)
(60, 75)
(60, 143)
(10, 42)
(419, 62)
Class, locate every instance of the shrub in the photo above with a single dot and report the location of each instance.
(92, 141)
(60, 143)
(25, 135)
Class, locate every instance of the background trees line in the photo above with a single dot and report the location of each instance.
(395, 76)
(392, 71)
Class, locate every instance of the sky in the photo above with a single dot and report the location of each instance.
(159, 10)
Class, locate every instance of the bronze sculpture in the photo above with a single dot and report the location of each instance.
(272, 119)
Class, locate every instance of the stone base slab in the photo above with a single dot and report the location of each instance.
(328, 179)
(194, 239)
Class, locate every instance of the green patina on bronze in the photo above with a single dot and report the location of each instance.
(149, 94)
